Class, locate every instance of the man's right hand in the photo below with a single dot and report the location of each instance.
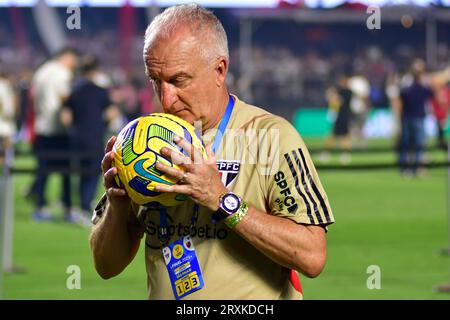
(115, 240)
(117, 197)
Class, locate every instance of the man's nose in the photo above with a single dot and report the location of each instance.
(168, 95)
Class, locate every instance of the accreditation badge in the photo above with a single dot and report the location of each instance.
(183, 267)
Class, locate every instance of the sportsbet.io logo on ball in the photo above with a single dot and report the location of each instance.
(137, 150)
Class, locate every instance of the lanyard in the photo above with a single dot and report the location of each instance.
(223, 124)
(163, 235)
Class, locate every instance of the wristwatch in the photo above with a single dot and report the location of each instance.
(232, 210)
(229, 204)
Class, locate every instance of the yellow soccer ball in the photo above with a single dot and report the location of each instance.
(137, 150)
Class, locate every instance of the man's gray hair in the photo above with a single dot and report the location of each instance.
(191, 16)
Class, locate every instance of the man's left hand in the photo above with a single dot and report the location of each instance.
(199, 178)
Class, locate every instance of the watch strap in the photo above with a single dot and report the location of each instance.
(232, 220)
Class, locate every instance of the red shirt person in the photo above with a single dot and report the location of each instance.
(441, 107)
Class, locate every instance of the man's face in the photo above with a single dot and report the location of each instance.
(71, 61)
(186, 84)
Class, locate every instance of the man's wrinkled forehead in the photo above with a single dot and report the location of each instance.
(173, 33)
(173, 50)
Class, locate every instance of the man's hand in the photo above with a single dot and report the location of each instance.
(200, 179)
(117, 197)
(115, 239)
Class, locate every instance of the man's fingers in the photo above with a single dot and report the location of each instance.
(175, 156)
(170, 171)
(108, 178)
(110, 184)
(177, 188)
(210, 154)
(183, 144)
(194, 153)
(110, 144)
(115, 192)
(107, 161)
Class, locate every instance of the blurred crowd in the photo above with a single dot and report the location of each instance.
(412, 96)
(286, 79)
(277, 76)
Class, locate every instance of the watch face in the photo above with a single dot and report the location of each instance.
(231, 202)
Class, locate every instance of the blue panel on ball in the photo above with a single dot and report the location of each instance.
(140, 185)
(142, 172)
(187, 135)
(188, 138)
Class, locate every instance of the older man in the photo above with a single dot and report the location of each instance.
(256, 213)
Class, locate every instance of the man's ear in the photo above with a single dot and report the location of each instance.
(221, 71)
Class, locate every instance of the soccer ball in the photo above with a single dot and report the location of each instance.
(137, 150)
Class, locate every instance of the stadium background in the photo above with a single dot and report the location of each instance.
(282, 59)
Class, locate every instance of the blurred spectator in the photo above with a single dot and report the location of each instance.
(441, 103)
(130, 102)
(340, 98)
(51, 87)
(116, 124)
(23, 90)
(413, 111)
(87, 111)
(393, 94)
(7, 112)
(359, 106)
(147, 100)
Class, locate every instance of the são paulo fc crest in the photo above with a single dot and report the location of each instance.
(229, 170)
